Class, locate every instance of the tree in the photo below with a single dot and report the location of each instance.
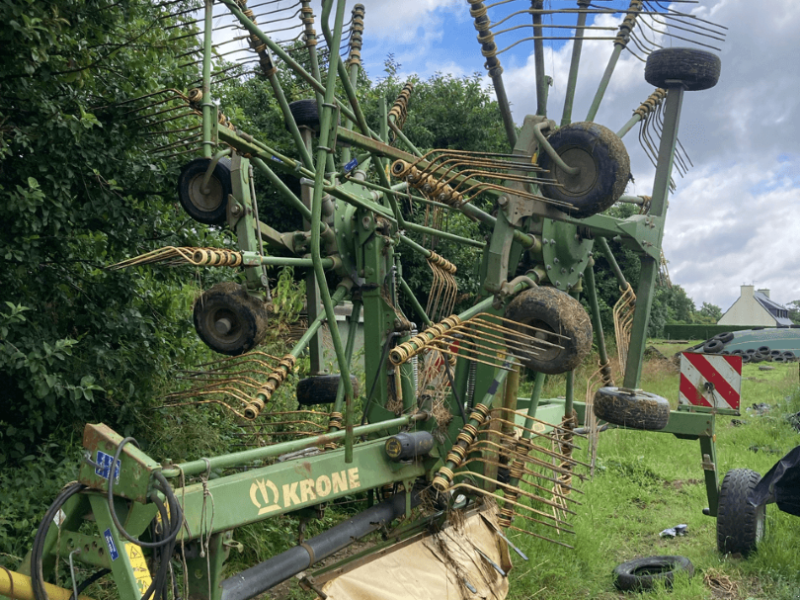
(80, 191)
(710, 313)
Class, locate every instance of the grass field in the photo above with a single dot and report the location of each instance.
(647, 482)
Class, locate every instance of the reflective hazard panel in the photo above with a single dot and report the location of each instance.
(711, 381)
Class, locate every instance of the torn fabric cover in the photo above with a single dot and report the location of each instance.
(781, 484)
(463, 561)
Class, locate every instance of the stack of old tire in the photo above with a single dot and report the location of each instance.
(716, 345)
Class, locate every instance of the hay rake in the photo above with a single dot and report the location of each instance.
(441, 430)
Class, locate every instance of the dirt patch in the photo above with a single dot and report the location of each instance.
(678, 484)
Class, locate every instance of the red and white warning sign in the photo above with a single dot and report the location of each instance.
(711, 380)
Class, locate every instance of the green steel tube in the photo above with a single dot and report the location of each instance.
(299, 143)
(208, 106)
(399, 133)
(352, 332)
(480, 307)
(414, 302)
(316, 220)
(415, 246)
(613, 262)
(577, 48)
(213, 165)
(569, 403)
(538, 52)
(601, 90)
(537, 131)
(658, 207)
(195, 467)
(591, 292)
(536, 396)
(629, 125)
(280, 261)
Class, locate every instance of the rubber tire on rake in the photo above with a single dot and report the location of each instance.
(643, 573)
(246, 318)
(604, 162)
(305, 113)
(555, 311)
(321, 389)
(638, 410)
(696, 69)
(205, 207)
(740, 525)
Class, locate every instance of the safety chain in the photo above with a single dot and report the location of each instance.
(274, 380)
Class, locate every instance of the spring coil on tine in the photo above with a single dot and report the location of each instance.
(274, 380)
(649, 105)
(400, 106)
(628, 23)
(217, 258)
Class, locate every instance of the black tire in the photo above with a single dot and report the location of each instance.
(737, 352)
(207, 206)
(725, 337)
(305, 113)
(696, 69)
(321, 389)
(776, 353)
(740, 525)
(747, 358)
(638, 410)
(779, 359)
(605, 168)
(229, 320)
(756, 357)
(764, 349)
(550, 310)
(788, 354)
(750, 351)
(713, 346)
(643, 573)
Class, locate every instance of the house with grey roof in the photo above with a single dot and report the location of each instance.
(754, 308)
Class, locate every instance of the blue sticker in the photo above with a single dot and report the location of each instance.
(104, 466)
(276, 159)
(112, 547)
(351, 165)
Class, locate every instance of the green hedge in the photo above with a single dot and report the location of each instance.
(681, 331)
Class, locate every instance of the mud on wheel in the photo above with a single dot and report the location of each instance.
(554, 311)
(633, 409)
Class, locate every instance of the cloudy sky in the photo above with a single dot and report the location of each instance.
(734, 219)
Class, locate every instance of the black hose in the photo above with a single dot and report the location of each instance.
(37, 550)
(87, 582)
(173, 503)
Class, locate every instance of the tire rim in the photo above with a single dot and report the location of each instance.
(223, 325)
(208, 199)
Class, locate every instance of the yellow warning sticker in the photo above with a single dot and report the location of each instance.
(139, 567)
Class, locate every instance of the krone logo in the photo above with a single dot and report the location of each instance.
(264, 487)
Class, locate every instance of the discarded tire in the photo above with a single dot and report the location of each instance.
(764, 349)
(696, 69)
(713, 346)
(779, 359)
(229, 320)
(789, 355)
(756, 357)
(643, 573)
(550, 311)
(639, 410)
(724, 337)
(321, 389)
(740, 525)
(205, 203)
(737, 352)
(605, 168)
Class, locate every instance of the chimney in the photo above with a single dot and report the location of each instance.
(765, 292)
(747, 291)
